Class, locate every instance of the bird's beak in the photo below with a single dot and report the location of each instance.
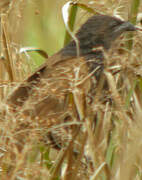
(126, 26)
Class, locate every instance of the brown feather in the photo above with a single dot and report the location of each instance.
(45, 91)
(44, 96)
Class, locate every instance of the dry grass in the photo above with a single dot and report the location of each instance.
(107, 143)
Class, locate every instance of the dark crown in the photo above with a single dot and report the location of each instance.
(99, 30)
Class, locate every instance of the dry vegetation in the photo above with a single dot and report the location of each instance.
(107, 145)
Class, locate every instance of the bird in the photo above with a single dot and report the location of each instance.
(45, 94)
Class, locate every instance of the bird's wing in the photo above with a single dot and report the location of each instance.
(21, 93)
(55, 78)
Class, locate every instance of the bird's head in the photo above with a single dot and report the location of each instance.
(99, 30)
(102, 30)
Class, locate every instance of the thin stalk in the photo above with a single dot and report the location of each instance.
(132, 18)
(71, 22)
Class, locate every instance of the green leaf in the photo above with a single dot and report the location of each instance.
(30, 49)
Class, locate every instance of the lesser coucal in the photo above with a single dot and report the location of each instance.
(44, 94)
